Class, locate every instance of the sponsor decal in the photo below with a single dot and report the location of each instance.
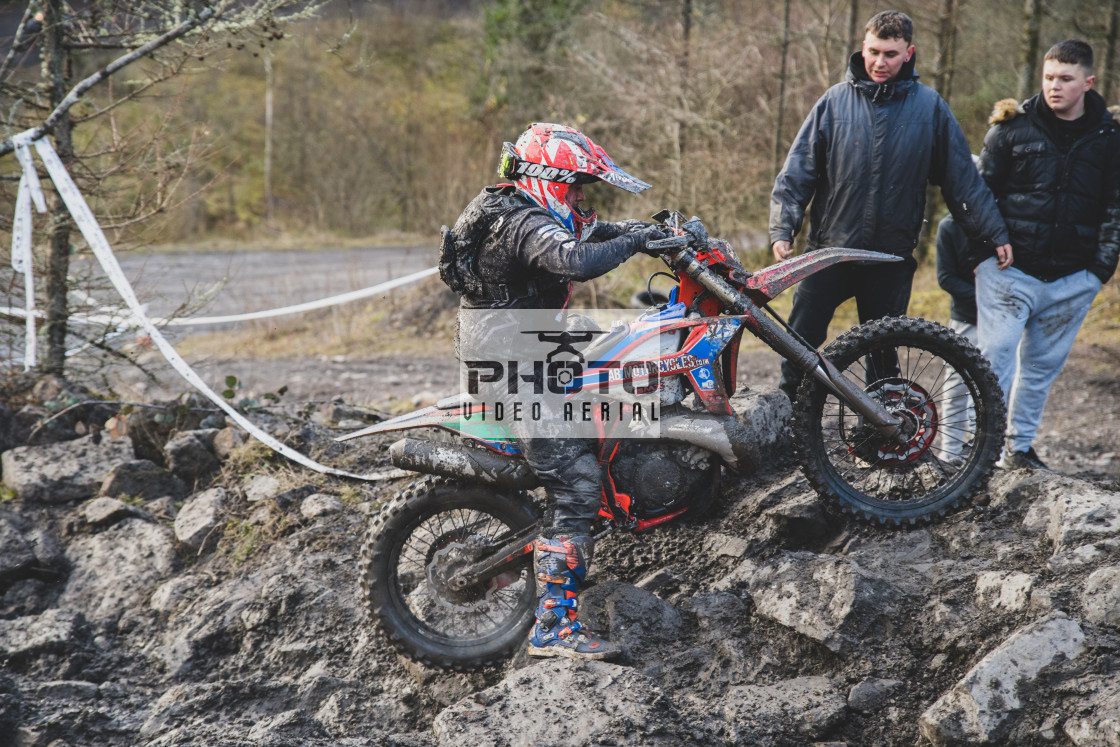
(548, 173)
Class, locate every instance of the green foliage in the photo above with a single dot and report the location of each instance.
(241, 540)
(247, 404)
(131, 500)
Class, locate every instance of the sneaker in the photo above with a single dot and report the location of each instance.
(1021, 460)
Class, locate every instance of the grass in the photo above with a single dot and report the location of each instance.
(241, 540)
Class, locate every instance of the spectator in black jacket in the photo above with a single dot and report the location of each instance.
(863, 157)
(1054, 165)
(954, 275)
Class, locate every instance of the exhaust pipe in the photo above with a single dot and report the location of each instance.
(462, 463)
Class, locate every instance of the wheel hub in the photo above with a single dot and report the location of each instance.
(445, 565)
(918, 424)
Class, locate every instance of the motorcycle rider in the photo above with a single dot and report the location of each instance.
(517, 246)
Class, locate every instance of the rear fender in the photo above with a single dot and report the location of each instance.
(458, 414)
(768, 282)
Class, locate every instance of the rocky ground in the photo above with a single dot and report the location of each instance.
(164, 583)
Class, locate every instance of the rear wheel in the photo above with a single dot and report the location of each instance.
(914, 368)
(414, 547)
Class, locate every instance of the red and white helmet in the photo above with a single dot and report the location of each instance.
(548, 159)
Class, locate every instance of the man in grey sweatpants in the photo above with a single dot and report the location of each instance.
(1054, 166)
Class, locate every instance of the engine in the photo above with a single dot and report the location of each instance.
(665, 476)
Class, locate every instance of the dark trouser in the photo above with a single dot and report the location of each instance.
(569, 471)
(880, 289)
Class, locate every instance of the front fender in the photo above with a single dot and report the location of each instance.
(770, 281)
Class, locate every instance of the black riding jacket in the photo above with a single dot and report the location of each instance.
(1061, 204)
(527, 258)
(864, 155)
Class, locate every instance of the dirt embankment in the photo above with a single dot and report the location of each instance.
(203, 592)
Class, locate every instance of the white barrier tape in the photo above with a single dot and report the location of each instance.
(321, 303)
(309, 305)
(95, 237)
(29, 190)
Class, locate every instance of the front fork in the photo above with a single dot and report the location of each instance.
(810, 361)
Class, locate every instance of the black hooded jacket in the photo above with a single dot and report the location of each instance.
(864, 156)
(1061, 204)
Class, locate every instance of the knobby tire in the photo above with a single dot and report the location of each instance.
(854, 469)
(446, 631)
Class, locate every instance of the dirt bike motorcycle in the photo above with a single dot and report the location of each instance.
(447, 564)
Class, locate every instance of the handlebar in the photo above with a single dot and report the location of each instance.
(673, 242)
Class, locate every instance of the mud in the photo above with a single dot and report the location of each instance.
(769, 621)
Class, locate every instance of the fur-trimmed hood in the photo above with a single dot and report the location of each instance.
(1005, 110)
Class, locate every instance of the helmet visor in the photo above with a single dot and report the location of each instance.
(512, 166)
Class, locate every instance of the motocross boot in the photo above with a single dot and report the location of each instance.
(561, 566)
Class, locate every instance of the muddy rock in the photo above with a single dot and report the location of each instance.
(319, 504)
(16, 554)
(635, 618)
(200, 516)
(63, 472)
(261, 487)
(174, 593)
(226, 440)
(871, 694)
(54, 630)
(190, 455)
(105, 511)
(1079, 512)
(980, 707)
(143, 479)
(116, 570)
(1097, 722)
(765, 412)
(805, 706)
(829, 599)
(563, 703)
(1004, 591)
(1101, 598)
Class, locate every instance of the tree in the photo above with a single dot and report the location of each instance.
(1028, 47)
(167, 37)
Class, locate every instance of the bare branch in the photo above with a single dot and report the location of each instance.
(77, 91)
(4, 68)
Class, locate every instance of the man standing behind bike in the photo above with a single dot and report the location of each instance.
(1054, 164)
(863, 157)
(519, 246)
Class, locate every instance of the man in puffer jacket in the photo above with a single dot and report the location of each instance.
(863, 157)
(1054, 165)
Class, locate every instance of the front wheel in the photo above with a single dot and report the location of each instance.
(952, 414)
(417, 543)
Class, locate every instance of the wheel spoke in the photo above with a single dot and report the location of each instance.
(948, 405)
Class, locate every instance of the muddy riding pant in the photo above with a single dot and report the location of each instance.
(1027, 328)
(569, 471)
